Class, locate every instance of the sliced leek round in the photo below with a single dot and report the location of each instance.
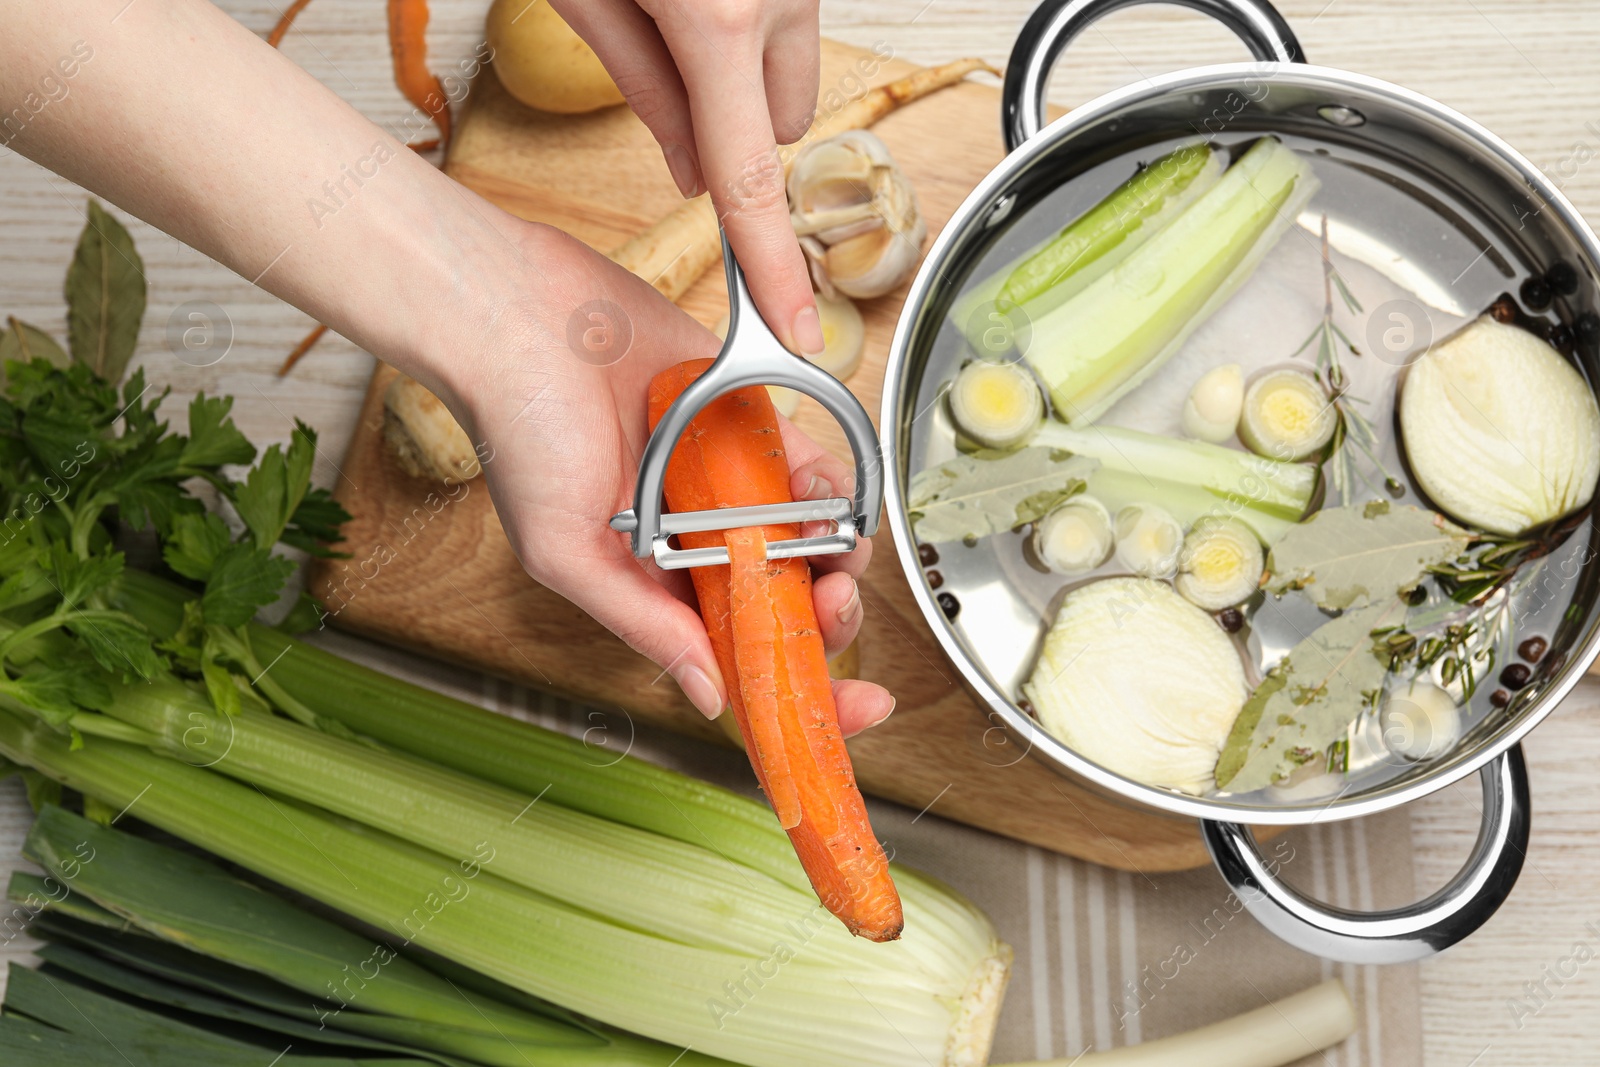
(1220, 565)
(1149, 540)
(1286, 415)
(1098, 685)
(1420, 721)
(844, 336)
(1500, 431)
(1211, 411)
(998, 405)
(1076, 537)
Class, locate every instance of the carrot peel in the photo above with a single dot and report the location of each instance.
(763, 627)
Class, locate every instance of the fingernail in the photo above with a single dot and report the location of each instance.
(852, 607)
(882, 717)
(700, 690)
(808, 331)
(684, 173)
(819, 489)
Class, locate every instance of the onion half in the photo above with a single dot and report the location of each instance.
(1097, 686)
(1500, 431)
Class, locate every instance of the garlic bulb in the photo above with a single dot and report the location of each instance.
(1097, 685)
(998, 405)
(856, 215)
(1421, 721)
(1500, 431)
(1220, 565)
(1075, 538)
(1149, 540)
(1211, 412)
(1286, 415)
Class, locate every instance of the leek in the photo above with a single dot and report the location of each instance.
(1115, 333)
(1190, 479)
(1052, 272)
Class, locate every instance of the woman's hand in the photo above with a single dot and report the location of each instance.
(567, 425)
(469, 300)
(722, 83)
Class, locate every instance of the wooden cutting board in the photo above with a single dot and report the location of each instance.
(436, 574)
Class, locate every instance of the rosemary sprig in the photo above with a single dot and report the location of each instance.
(1353, 430)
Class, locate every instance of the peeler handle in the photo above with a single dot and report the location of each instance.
(753, 355)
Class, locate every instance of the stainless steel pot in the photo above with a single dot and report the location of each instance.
(1501, 210)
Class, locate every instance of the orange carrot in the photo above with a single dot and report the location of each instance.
(763, 627)
(408, 43)
(292, 12)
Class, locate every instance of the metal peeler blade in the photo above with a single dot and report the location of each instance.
(752, 355)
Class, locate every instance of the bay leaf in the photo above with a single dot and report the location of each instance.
(988, 492)
(105, 296)
(1352, 555)
(1308, 699)
(24, 342)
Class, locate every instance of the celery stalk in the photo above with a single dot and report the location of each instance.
(1118, 330)
(1052, 272)
(534, 762)
(496, 748)
(633, 877)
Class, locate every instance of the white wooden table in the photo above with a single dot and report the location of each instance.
(1525, 69)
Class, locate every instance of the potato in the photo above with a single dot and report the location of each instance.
(543, 63)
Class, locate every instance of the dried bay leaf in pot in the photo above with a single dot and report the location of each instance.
(1350, 555)
(986, 493)
(1307, 700)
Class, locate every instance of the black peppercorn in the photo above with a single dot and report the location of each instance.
(1560, 337)
(1533, 649)
(1563, 279)
(928, 555)
(1025, 706)
(1230, 619)
(1535, 294)
(1499, 698)
(949, 605)
(1515, 676)
(1588, 327)
(935, 579)
(1503, 310)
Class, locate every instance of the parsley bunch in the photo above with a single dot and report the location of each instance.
(88, 468)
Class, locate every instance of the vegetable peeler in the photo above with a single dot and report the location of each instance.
(752, 355)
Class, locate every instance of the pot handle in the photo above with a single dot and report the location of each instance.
(1413, 932)
(1054, 24)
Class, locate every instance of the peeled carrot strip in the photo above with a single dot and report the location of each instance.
(763, 627)
(408, 43)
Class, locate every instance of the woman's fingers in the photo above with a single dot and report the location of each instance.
(791, 69)
(817, 475)
(628, 43)
(839, 610)
(719, 49)
(862, 705)
(625, 599)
